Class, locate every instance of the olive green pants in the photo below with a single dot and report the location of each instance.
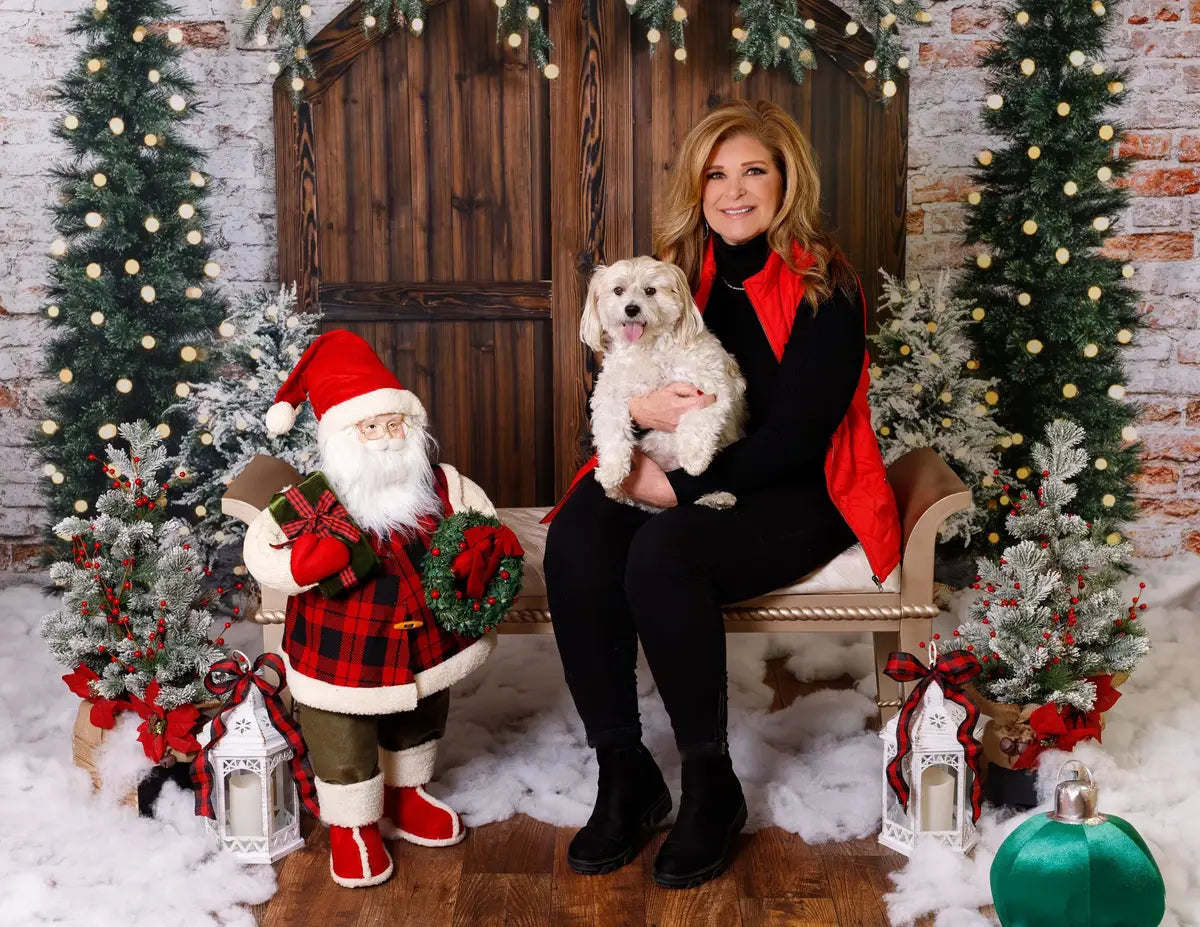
(345, 748)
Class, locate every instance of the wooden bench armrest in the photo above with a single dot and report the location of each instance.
(927, 493)
(253, 488)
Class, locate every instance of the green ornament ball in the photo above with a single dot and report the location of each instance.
(1075, 867)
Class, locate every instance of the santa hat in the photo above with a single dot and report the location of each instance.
(345, 381)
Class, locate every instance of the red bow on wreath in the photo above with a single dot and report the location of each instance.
(952, 671)
(486, 547)
(1063, 726)
(233, 677)
(327, 519)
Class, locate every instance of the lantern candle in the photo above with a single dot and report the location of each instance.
(245, 807)
(937, 799)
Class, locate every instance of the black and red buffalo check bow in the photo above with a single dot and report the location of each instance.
(328, 518)
(233, 677)
(952, 671)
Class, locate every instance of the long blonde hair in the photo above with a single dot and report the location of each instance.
(680, 230)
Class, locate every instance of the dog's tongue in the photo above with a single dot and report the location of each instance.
(632, 331)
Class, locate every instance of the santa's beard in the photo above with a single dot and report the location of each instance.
(386, 485)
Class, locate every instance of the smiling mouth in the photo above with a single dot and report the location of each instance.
(632, 331)
(739, 212)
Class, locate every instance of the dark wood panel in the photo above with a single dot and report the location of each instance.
(440, 302)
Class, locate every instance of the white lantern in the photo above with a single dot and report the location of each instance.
(939, 778)
(255, 805)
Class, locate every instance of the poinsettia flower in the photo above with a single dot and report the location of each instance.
(1059, 728)
(104, 710)
(161, 729)
(1106, 695)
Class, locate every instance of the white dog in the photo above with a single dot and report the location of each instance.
(640, 314)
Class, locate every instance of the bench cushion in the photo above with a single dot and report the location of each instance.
(848, 572)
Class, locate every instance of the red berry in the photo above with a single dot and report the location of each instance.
(462, 545)
(491, 600)
(458, 593)
(437, 551)
(920, 643)
(475, 607)
(504, 574)
(956, 633)
(434, 594)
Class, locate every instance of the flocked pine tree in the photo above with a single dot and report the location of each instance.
(1053, 311)
(1049, 615)
(133, 608)
(132, 300)
(925, 393)
(262, 338)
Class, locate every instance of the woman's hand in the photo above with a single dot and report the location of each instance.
(662, 409)
(647, 483)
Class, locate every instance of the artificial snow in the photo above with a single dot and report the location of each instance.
(515, 745)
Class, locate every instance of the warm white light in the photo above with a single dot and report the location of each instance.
(52, 311)
(177, 103)
(679, 14)
(107, 431)
(1127, 271)
(1116, 391)
(139, 33)
(514, 40)
(681, 54)
(1070, 188)
(1105, 132)
(369, 21)
(1094, 293)
(991, 397)
(194, 237)
(1108, 500)
(1028, 66)
(57, 478)
(164, 430)
(1077, 58)
(1034, 152)
(978, 314)
(151, 223)
(902, 62)
(871, 65)
(99, 179)
(65, 375)
(212, 269)
(852, 28)
(1124, 336)
(983, 260)
(273, 67)
(1101, 463)
(1105, 173)
(653, 36)
(153, 75)
(196, 179)
(150, 139)
(71, 122)
(889, 88)
(148, 293)
(1064, 108)
(148, 342)
(174, 35)
(995, 101)
(1033, 346)
(94, 65)
(49, 426)
(58, 247)
(188, 353)
(1029, 227)
(227, 329)
(80, 506)
(1022, 17)
(297, 83)
(1062, 255)
(745, 67)
(532, 12)
(124, 385)
(1024, 299)
(132, 266)
(206, 438)
(984, 157)
(186, 210)
(116, 125)
(93, 220)
(417, 25)
(93, 271)
(1101, 223)
(1070, 390)
(1091, 350)
(1129, 433)
(784, 42)
(193, 292)
(181, 390)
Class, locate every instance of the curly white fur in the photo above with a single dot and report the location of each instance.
(641, 315)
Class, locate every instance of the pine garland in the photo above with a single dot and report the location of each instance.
(517, 17)
(925, 393)
(454, 609)
(1049, 614)
(133, 611)
(661, 17)
(285, 23)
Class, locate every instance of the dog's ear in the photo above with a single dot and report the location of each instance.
(691, 322)
(591, 332)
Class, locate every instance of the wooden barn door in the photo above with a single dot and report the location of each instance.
(446, 201)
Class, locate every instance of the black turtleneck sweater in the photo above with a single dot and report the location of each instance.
(794, 404)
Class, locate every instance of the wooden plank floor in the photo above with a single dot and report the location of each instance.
(514, 874)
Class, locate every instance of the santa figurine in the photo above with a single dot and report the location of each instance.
(369, 666)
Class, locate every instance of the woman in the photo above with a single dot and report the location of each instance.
(742, 220)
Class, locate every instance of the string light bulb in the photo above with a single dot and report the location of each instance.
(174, 35)
(514, 40)
(784, 42)
(888, 21)
(1116, 391)
(116, 125)
(1101, 223)
(1077, 58)
(227, 329)
(148, 293)
(93, 271)
(810, 24)
(1033, 346)
(984, 157)
(1028, 66)
(132, 266)
(177, 103)
(188, 353)
(984, 260)
(273, 67)
(1034, 152)
(1129, 433)
(193, 292)
(153, 75)
(94, 65)
(1024, 299)
(852, 28)
(1094, 293)
(1105, 174)
(871, 66)
(991, 397)
(212, 269)
(194, 237)
(974, 198)
(124, 385)
(369, 22)
(978, 314)
(164, 430)
(1070, 188)
(186, 210)
(150, 139)
(1062, 255)
(1105, 132)
(206, 438)
(739, 34)
(653, 36)
(96, 318)
(80, 506)
(305, 10)
(107, 431)
(1115, 86)
(297, 83)
(152, 224)
(182, 390)
(52, 311)
(532, 13)
(1064, 108)
(99, 180)
(71, 122)
(1022, 18)
(995, 101)
(148, 342)
(1108, 500)
(49, 426)
(1090, 350)
(1070, 390)
(889, 88)
(66, 375)
(679, 14)
(1124, 336)
(1127, 271)
(57, 478)
(1101, 463)
(745, 67)
(1029, 227)
(93, 220)
(1098, 8)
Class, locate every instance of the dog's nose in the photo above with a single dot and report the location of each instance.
(632, 309)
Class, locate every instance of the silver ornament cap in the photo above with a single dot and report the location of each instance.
(1075, 797)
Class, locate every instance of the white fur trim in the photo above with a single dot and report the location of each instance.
(280, 418)
(350, 700)
(465, 494)
(458, 832)
(270, 566)
(355, 805)
(410, 767)
(459, 666)
(366, 881)
(376, 402)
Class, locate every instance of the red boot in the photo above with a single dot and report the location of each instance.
(357, 856)
(409, 812)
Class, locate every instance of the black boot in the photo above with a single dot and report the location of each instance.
(632, 798)
(712, 811)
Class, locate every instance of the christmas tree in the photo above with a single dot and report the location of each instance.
(1050, 619)
(263, 337)
(131, 301)
(133, 612)
(1052, 311)
(925, 393)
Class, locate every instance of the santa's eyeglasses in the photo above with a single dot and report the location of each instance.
(377, 429)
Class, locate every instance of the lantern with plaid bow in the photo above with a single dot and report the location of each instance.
(931, 757)
(251, 762)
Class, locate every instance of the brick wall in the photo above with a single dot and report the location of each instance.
(1160, 40)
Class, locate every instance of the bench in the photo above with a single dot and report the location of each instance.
(840, 596)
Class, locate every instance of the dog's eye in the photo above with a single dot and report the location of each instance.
(618, 290)
(650, 291)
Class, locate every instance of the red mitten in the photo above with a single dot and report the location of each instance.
(315, 558)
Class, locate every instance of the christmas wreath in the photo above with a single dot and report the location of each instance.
(472, 572)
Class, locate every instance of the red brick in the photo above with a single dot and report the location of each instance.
(1172, 446)
(1163, 181)
(1167, 15)
(1189, 148)
(1150, 246)
(1194, 11)
(1155, 477)
(8, 399)
(24, 558)
(972, 19)
(914, 223)
(1170, 507)
(1145, 145)
(941, 189)
(1159, 413)
(211, 34)
(1193, 412)
(1191, 541)
(953, 54)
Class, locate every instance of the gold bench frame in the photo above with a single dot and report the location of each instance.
(927, 492)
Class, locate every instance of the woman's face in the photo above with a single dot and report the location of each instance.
(742, 189)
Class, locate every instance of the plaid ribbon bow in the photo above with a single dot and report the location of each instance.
(952, 671)
(327, 519)
(231, 676)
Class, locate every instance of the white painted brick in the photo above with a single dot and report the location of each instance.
(1157, 213)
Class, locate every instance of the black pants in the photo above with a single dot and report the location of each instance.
(615, 574)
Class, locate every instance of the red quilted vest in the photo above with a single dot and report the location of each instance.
(854, 470)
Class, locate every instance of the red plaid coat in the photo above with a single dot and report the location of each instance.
(358, 652)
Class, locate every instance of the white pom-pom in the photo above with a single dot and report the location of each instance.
(280, 418)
